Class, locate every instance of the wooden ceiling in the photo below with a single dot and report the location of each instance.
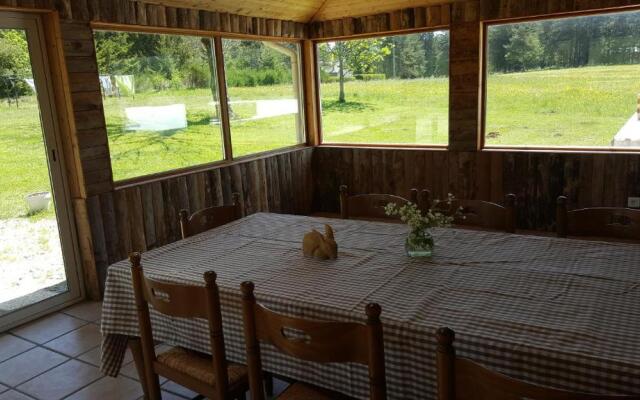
(298, 10)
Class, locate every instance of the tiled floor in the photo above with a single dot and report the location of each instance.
(58, 357)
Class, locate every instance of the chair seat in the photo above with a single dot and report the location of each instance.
(199, 365)
(303, 391)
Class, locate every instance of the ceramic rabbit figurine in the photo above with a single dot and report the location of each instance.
(323, 247)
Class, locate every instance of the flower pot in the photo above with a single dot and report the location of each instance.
(37, 202)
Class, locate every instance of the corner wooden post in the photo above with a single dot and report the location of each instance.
(310, 85)
(445, 364)
(465, 75)
(561, 216)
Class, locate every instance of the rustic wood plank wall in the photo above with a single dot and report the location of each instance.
(406, 19)
(536, 178)
(145, 216)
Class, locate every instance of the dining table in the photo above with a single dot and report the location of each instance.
(554, 311)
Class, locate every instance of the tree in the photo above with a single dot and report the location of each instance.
(15, 63)
(353, 56)
(524, 50)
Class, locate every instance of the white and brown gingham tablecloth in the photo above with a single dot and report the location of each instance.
(554, 311)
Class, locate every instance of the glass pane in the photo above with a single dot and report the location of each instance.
(263, 87)
(31, 262)
(564, 82)
(386, 90)
(160, 101)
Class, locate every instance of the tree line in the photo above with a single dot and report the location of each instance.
(565, 43)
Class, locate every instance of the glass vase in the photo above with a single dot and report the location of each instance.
(419, 243)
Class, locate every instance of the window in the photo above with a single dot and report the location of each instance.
(564, 82)
(392, 90)
(160, 101)
(263, 91)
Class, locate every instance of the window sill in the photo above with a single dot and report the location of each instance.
(390, 146)
(563, 150)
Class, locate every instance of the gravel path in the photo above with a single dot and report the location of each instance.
(30, 256)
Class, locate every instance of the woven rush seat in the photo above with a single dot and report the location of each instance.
(199, 365)
(302, 391)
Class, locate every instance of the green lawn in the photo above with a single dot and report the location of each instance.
(575, 107)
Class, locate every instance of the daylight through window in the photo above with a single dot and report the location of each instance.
(564, 82)
(263, 89)
(386, 90)
(160, 101)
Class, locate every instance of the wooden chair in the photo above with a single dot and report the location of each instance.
(370, 206)
(620, 223)
(210, 376)
(479, 213)
(209, 218)
(323, 341)
(462, 379)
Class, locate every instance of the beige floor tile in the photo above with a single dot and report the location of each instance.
(48, 328)
(94, 355)
(77, 342)
(61, 381)
(13, 395)
(88, 311)
(120, 388)
(11, 345)
(171, 386)
(25, 366)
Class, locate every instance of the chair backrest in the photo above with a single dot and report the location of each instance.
(180, 301)
(313, 340)
(370, 205)
(462, 379)
(209, 218)
(480, 213)
(621, 223)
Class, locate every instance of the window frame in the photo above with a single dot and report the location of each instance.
(227, 144)
(318, 83)
(484, 51)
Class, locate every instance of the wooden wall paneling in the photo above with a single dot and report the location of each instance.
(508, 9)
(159, 213)
(136, 219)
(495, 172)
(98, 241)
(217, 197)
(87, 248)
(170, 213)
(407, 19)
(263, 185)
(226, 185)
(148, 215)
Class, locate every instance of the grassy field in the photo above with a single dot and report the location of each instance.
(575, 107)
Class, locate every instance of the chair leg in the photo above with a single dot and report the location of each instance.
(268, 383)
(151, 389)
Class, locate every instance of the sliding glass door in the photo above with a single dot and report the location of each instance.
(38, 256)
